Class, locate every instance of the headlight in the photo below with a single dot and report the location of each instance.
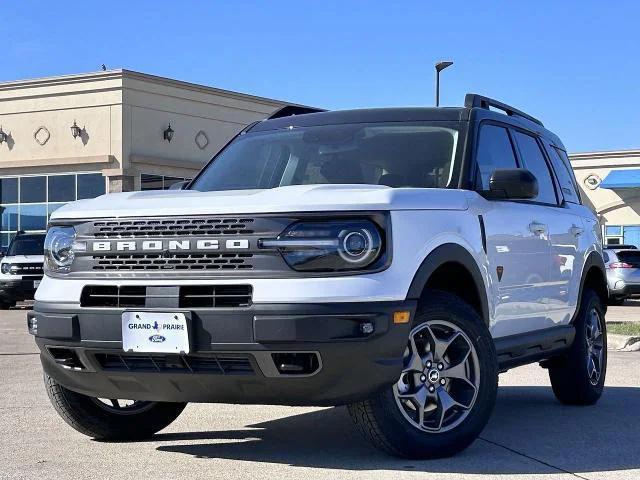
(59, 246)
(5, 268)
(333, 246)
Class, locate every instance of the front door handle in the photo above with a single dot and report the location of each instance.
(537, 228)
(576, 231)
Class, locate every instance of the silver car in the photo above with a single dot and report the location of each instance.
(623, 273)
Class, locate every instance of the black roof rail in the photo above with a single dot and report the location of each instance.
(289, 110)
(472, 100)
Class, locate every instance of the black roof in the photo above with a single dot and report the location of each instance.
(477, 105)
(366, 115)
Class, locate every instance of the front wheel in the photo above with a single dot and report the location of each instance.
(110, 419)
(446, 391)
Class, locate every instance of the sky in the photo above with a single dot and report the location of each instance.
(573, 64)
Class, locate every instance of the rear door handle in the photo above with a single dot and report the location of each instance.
(537, 228)
(576, 231)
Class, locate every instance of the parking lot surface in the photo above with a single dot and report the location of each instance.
(529, 436)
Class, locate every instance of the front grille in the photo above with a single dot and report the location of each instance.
(189, 296)
(179, 247)
(179, 227)
(215, 296)
(174, 261)
(27, 269)
(215, 364)
(113, 296)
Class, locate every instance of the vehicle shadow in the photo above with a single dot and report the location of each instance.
(528, 430)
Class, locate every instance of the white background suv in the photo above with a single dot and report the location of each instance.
(21, 269)
(395, 260)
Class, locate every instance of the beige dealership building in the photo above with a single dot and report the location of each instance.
(78, 136)
(611, 182)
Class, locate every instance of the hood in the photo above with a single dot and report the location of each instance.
(295, 198)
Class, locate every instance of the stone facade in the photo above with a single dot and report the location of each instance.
(122, 116)
(618, 209)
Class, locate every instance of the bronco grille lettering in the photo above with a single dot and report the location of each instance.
(169, 245)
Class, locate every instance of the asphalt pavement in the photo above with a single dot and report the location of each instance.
(530, 434)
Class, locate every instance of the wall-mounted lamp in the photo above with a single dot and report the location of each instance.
(76, 131)
(168, 134)
(3, 136)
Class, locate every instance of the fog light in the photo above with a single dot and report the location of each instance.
(401, 317)
(619, 285)
(32, 324)
(366, 328)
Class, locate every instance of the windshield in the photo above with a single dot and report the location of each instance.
(391, 154)
(27, 245)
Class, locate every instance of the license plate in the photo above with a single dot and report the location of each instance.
(36, 283)
(153, 332)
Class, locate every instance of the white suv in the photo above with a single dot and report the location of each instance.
(21, 269)
(392, 260)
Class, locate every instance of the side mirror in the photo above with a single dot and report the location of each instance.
(513, 183)
(179, 185)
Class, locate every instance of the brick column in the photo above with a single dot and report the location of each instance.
(121, 183)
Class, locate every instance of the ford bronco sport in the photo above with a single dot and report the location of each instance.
(392, 260)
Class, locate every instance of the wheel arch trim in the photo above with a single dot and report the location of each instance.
(450, 253)
(593, 261)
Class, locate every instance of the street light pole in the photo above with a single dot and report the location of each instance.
(439, 67)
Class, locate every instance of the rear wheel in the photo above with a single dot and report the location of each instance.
(578, 377)
(446, 391)
(111, 419)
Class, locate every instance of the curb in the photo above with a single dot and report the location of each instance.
(625, 343)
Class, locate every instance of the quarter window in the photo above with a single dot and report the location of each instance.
(494, 152)
(534, 161)
(564, 175)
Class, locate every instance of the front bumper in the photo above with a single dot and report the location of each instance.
(18, 289)
(235, 354)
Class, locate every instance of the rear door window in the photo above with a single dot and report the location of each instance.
(494, 152)
(534, 161)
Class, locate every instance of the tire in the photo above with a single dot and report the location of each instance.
(616, 301)
(7, 305)
(572, 376)
(391, 421)
(94, 418)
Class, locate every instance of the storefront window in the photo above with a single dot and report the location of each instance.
(90, 185)
(26, 202)
(158, 182)
(33, 189)
(62, 188)
(8, 190)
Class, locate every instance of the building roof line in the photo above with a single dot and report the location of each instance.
(131, 74)
(604, 154)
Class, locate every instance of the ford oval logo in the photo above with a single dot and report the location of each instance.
(157, 338)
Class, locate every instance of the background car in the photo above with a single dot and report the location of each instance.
(623, 273)
(21, 269)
